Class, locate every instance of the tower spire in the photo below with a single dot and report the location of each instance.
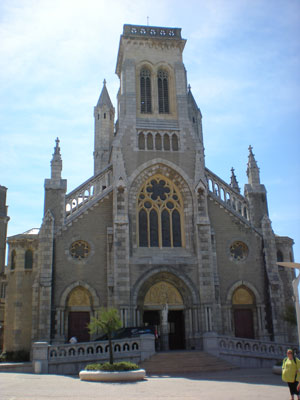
(252, 169)
(233, 181)
(56, 162)
(104, 98)
(104, 114)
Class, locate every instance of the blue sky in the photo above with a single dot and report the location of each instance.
(243, 63)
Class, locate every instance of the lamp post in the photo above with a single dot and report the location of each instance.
(295, 289)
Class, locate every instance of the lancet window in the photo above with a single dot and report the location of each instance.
(163, 92)
(160, 214)
(145, 85)
(13, 260)
(28, 259)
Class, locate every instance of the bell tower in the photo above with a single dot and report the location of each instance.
(157, 114)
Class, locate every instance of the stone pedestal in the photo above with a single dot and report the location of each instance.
(40, 357)
(210, 343)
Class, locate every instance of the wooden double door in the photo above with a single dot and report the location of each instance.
(77, 325)
(243, 323)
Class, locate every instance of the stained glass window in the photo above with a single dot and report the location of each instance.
(238, 251)
(80, 249)
(160, 214)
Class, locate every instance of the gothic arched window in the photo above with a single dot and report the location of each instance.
(145, 85)
(13, 260)
(163, 92)
(28, 259)
(279, 256)
(160, 214)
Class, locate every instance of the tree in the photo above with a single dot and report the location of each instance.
(290, 315)
(107, 322)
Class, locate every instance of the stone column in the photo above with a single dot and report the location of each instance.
(164, 328)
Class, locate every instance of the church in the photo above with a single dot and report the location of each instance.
(153, 232)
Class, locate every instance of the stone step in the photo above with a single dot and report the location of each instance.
(176, 362)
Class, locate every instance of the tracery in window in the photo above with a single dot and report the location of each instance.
(145, 85)
(80, 249)
(28, 262)
(160, 214)
(163, 92)
(238, 251)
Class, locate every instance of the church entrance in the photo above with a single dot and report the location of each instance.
(78, 314)
(77, 325)
(163, 309)
(176, 330)
(243, 301)
(243, 322)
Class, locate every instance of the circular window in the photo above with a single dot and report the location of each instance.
(238, 251)
(80, 249)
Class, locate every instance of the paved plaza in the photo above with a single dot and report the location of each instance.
(246, 384)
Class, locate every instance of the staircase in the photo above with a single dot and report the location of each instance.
(181, 362)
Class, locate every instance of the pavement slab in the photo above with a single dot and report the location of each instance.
(246, 384)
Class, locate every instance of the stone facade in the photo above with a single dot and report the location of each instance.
(196, 257)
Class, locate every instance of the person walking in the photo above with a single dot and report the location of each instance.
(291, 373)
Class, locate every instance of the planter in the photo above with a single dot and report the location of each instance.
(277, 369)
(113, 376)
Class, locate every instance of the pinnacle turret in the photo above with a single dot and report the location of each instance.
(104, 98)
(56, 162)
(252, 169)
(104, 114)
(233, 181)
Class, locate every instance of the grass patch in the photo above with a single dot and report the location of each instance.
(119, 366)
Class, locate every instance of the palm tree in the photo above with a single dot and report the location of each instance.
(107, 322)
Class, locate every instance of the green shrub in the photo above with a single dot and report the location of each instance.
(119, 366)
(15, 356)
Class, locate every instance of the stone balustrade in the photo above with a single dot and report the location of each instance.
(90, 350)
(245, 352)
(71, 358)
(86, 192)
(251, 346)
(226, 195)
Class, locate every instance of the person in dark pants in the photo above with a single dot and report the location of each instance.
(290, 373)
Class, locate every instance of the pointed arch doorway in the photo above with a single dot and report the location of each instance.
(164, 309)
(243, 302)
(79, 309)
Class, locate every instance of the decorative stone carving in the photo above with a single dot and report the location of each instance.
(79, 297)
(238, 251)
(80, 249)
(163, 293)
(242, 296)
